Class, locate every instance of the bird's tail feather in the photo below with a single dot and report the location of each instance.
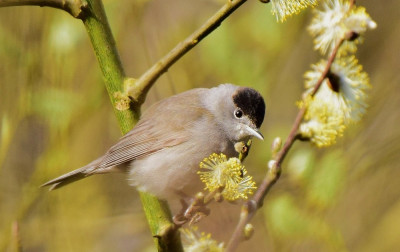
(67, 178)
(77, 174)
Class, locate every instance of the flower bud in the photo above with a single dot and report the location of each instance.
(248, 231)
(271, 164)
(276, 145)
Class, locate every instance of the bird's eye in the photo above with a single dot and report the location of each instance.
(238, 113)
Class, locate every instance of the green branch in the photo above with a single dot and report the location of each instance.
(97, 26)
(103, 43)
(73, 7)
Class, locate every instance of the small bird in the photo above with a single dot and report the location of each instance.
(162, 152)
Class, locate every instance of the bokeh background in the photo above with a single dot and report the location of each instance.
(55, 116)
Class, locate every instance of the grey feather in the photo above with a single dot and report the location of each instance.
(163, 151)
(150, 135)
(72, 176)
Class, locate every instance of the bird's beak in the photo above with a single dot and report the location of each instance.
(254, 132)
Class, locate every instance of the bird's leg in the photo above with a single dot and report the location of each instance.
(192, 212)
(180, 219)
(197, 209)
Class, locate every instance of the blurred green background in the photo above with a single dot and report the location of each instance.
(55, 116)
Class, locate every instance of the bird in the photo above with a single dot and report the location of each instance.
(161, 154)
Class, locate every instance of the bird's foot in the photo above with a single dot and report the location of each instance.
(192, 212)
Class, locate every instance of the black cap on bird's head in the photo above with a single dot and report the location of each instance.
(251, 103)
(239, 110)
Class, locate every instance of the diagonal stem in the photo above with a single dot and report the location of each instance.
(249, 208)
(142, 85)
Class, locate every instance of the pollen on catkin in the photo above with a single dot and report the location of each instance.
(322, 123)
(335, 21)
(194, 241)
(218, 172)
(285, 8)
(344, 89)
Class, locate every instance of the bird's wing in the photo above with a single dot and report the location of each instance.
(166, 124)
(143, 140)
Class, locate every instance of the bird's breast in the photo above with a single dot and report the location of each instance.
(173, 170)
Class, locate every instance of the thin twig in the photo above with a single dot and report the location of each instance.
(142, 85)
(73, 7)
(328, 67)
(273, 174)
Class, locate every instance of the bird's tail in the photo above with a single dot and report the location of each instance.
(77, 174)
